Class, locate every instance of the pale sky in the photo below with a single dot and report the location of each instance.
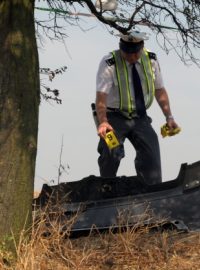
(73, 119)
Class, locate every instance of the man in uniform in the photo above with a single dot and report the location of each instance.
(127, 81)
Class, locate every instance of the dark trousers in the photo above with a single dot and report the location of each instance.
(143, 138)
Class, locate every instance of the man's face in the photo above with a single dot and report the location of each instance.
(132, 57)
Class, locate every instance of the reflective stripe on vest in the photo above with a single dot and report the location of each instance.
(126, 102)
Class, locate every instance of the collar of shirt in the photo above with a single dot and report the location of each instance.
(130, 64)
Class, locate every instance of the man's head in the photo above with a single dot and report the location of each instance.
(131, 45)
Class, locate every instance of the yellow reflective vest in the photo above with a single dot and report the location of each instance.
(127, 104)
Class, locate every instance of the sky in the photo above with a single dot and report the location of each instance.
(67, 133)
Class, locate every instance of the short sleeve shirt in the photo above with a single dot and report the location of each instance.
(105, 78)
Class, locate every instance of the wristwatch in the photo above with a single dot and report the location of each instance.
(168, 117)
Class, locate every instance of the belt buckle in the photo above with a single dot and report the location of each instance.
(133, 115)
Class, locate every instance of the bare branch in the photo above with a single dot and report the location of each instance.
(176, 23)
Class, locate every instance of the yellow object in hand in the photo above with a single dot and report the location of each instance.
(165, 131)
(111, 140)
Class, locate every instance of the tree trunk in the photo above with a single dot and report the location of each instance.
(19, 104)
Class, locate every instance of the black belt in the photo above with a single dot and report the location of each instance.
(131, 115)
(113, 109)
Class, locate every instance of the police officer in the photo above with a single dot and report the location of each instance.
(127, 81)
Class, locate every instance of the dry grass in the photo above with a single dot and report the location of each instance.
(133, 249)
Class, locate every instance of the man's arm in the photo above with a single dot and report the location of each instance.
(163, 101)
(104, 126)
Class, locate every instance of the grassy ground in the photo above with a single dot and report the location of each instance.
(133, 249)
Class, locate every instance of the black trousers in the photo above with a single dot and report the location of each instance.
(145, 141)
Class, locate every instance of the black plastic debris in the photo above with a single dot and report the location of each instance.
(126, 201)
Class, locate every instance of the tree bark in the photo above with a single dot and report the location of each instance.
(19, 104)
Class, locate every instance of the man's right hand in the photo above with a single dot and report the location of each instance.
(103, 128)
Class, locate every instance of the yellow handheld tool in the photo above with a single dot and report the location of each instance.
(111, 140)
(165, 131)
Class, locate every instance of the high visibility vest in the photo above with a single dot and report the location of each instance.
(127, 104)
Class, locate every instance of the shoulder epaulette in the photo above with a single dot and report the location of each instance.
(152, 55)
(110, 61)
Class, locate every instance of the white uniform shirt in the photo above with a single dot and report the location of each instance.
(106, 77)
